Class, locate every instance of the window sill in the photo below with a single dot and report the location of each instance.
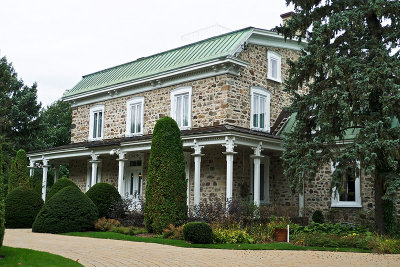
(346, 205)
(132, 135)
(275, 80)
(185, 128)
(95, 139)
(265, 130)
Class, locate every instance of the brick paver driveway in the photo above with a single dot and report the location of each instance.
(103, 252)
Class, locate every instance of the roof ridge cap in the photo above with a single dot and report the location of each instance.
(170, 50)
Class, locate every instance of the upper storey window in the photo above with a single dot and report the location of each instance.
(260, 109)
(134, 118)
(181, 99)
(274, 66)
(96, 123)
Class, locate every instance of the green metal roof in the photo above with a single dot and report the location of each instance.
(349, 135)
(202, 51)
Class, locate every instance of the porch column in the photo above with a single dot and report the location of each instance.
(31, 168)
(121, 168)
(44, 180)
(301, 202)
(256, 172)
(229, 145)
(56, 172)
(95, 160)
(197, 165)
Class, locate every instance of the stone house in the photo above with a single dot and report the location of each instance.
(226, 94)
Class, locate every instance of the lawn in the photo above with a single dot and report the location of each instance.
(28, 257)
(181, 243)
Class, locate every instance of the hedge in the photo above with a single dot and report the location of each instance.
(22, 206)
(103, 196)
(69, 210)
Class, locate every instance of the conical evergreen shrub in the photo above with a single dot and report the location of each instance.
(166, 182)
(60, 184)
(69, 210)
(19, 171)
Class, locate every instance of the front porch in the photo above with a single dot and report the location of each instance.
(220, 166)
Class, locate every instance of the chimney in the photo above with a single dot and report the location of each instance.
(286, 16)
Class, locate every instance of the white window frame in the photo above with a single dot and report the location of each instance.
(89, 174)
(266, 161)
(336, 203)
(177, 92)
(267, 118)
(271, 55)
(93, 110)
(129, 103)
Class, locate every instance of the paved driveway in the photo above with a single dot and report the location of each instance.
(103, 252)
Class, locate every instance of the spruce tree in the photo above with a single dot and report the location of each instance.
(2, 205)
(166, 183)
(19, 172)
(351, 68)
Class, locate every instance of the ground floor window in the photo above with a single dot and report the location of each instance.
(264, 180)
(89, 175)
(348, 194)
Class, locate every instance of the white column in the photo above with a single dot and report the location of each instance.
(56, 172)
(121, 168)
(229, 145)
(301, 200)
(197, 166)
(256, 173)
(31, 168)
(44, 180)
(95, 161)
(187, 173)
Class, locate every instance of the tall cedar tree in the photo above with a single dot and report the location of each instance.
(18, 175)
(19, 110)
(351, 67)
(166, 183)
(2, 205)
(55, 125)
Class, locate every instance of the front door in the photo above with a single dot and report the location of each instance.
(133, 183)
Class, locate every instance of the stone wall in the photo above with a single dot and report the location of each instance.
(209, 98)
(318, 197)
(255, 74)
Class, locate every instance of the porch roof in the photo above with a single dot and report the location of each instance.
(210, 133)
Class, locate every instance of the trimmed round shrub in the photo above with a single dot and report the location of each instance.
(198, 233)
(22, 205)
(318, 217)
(166, 180)
(60, 184)
(103, 196)
(69, 210)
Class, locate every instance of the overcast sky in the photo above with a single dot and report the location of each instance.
(55, 43)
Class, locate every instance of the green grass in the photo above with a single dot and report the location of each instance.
(28, 257)
(181, 243)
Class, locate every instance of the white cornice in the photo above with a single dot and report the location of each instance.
(194, 72)
(267, 38)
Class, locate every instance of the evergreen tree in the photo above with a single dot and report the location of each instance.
(55, 125)
(19, 110)
(351, 68)
(2, 205)
(166, 182)
(19, 172)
